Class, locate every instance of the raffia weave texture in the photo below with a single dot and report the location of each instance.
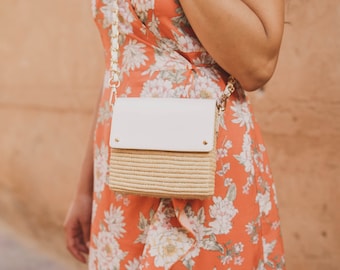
(186, 175)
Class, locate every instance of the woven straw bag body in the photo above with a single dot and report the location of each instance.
(163, 174)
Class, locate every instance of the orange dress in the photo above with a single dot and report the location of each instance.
(239, 227)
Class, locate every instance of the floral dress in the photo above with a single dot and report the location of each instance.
(238, 227)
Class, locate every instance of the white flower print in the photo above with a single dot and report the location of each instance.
(226, 259)
(245, 158)
(252, 231)
(133, 56)
(233, 253)
(143, 226)
(168, 246)
(198, 228)
(210, 73)
(260, 266)
(228, 145)
(224, 170)
(268, 171)
(223, 152)
(188, 260)
(250, 228)
(167, 47)
(204, 87)
(203, 236)
(167, 60)
(275, 225)
(262, 148)
(228, 181)
(153, 26)
(126, 18)
(258, 158)
(157, 88)
(106, 9)
(104, 113)
(264, 202)
(126, 202)
(164, 216)
(115, 221)
(92, 258)
(108, 252)
(267, 249)
(100, 167)
(223, 211)
(133, 265)
(200, 231)
(166, 243)
(238, 248)
(187, 44)
(238, 260)
(242, 115)
(120, 197)
(142, 7)
(180, 91)
(250, 182)
(203, 59)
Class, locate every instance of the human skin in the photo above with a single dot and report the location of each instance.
(243, 37)
(77, 224)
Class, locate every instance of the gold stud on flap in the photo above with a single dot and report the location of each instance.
(205, 142)
(116, 140)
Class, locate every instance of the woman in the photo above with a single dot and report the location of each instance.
(186, 49)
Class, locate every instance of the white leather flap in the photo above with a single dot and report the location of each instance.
(169, 124)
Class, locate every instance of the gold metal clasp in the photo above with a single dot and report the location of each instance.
(113, 96)
(228, 91)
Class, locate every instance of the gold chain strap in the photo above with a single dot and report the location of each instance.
(114, 80)
(229, 89)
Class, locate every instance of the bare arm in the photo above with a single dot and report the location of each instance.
(243, 36)
(77, 224)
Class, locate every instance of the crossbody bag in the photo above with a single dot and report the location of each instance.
(162, 147)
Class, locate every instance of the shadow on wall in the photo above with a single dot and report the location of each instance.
(50, 76)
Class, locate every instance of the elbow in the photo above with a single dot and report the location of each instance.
(256, 79)
(255, 76)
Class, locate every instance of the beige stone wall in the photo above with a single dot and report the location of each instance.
(51, 72)
(51, 65)
(300, 118)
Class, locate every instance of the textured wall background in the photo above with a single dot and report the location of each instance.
(51, 67)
